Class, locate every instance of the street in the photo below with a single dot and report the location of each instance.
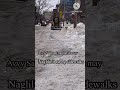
(60, 76)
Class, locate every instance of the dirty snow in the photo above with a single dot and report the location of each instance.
(60, 76)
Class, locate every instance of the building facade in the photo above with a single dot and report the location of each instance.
(67, 7)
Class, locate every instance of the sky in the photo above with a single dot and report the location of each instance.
(53, 3)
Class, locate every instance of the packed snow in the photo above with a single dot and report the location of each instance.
(60, 76)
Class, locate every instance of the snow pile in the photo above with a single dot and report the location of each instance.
(76, 35)
(59, 76)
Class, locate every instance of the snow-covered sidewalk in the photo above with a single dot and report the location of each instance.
(60, 76)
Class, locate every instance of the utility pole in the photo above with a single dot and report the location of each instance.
(75, 23)
(64, 15)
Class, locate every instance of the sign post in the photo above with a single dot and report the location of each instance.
(76, 6)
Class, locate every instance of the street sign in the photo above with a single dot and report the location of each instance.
(61, 14)
(76, 6)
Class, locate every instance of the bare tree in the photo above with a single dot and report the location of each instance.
(43, 5)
